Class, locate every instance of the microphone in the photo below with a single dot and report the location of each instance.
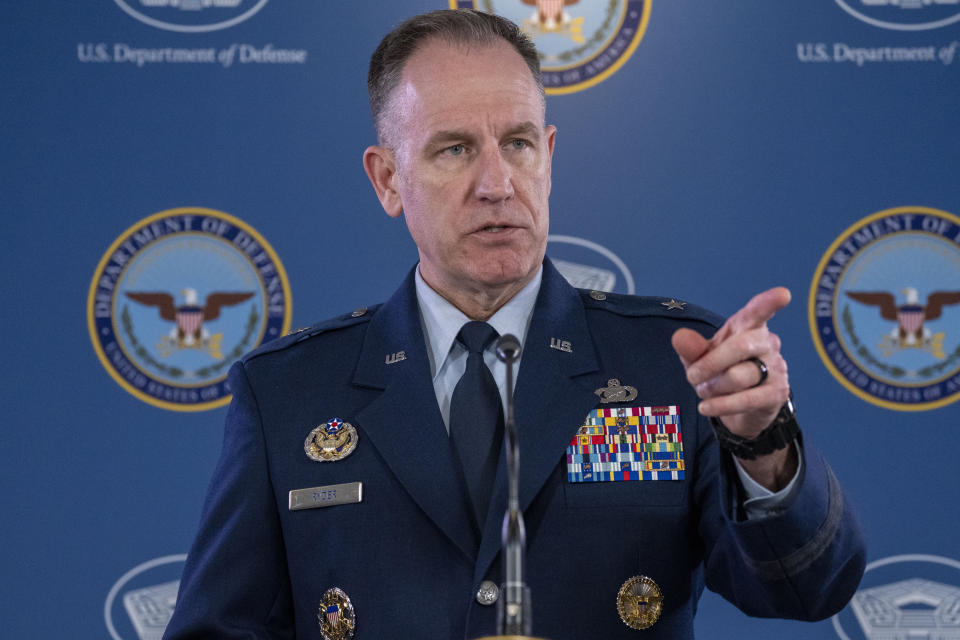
(514, 617)
(508, 350)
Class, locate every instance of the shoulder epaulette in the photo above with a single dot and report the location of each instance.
(645, 306)
(355, 317)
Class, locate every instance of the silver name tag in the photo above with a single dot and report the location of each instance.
(328, 496)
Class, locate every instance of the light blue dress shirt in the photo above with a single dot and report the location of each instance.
(448, 359)
(441, 322)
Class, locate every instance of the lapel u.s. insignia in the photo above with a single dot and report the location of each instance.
(616, 392)
(639, 602)
(336, 616)
(334, 440)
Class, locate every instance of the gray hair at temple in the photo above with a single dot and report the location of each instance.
(453, 26)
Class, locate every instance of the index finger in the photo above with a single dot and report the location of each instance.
(758, 310)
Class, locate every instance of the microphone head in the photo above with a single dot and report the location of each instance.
(508, 348)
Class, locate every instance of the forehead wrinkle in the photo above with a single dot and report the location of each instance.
(449, 135)
(405, 94)
(526, 128)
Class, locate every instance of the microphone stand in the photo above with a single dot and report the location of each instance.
(514, 618)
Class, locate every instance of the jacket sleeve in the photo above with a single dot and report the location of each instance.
(235, 583)
(804, 561)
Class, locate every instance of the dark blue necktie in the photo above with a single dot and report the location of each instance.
(476, 418)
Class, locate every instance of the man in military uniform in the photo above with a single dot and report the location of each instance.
(654, 460)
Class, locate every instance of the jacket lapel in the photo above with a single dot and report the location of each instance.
(404, 422)
(552, 397)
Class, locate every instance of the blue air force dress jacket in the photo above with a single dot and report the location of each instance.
(408, 556)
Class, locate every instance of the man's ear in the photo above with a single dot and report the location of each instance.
(381, 168)
(551, 135)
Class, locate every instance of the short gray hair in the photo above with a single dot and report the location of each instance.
(454, 26)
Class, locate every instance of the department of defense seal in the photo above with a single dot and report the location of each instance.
(177, 298)
(885, 308)
(580, 43)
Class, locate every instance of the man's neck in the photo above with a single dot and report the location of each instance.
(479, 303)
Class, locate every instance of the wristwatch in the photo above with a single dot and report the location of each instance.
(781, 432)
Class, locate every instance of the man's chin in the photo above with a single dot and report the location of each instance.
(505, 276)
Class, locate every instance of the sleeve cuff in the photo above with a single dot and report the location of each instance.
(760, 502)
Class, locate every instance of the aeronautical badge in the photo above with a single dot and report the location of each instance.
(639, 602)
(331, 441)
(615, 392)
(336, 617)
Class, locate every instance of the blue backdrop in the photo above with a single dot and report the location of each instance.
(730, 148)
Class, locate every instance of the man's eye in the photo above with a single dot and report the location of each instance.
(455, 150)
(519, 144)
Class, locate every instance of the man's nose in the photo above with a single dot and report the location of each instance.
(494, 179)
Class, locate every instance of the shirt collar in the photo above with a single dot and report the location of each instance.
(442, 321)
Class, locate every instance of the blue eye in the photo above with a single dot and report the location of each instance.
(455, 150)
(518, 144)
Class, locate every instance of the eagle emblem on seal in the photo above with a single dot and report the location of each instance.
(189, 332)
(910, 331)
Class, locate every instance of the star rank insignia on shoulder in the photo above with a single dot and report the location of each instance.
(672, 304)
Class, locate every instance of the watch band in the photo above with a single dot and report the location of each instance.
(781, 432)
